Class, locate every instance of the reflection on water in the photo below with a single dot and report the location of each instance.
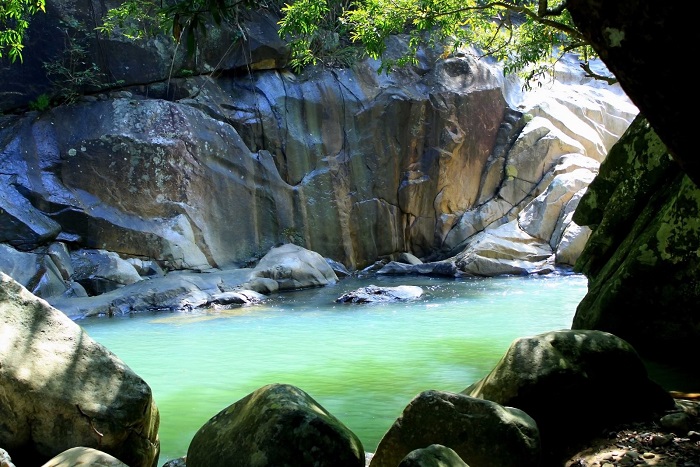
(362, 362)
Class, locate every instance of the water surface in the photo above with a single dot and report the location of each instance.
(362, 362)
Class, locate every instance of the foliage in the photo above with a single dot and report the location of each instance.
(14, 21)
(526, 35)
(41, 103)
(316, 32)
(188, 19)
(292, 235)
(135, 19)
(73, 72)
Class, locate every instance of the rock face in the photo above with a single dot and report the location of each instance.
(61, 389)
(554, 375)
(279, 425)
(212, 172)
(641, 259)
(481, 432)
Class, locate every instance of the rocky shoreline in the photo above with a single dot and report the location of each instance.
(671, 441)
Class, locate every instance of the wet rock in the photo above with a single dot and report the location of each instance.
(373, 293)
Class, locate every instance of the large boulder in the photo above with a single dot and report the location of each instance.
(481, 432)
(279, 425)
(584, 380)
(61, 389)
(295, 267)
(641, 259)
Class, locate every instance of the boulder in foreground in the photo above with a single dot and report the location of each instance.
(61, 389)
(276, 425)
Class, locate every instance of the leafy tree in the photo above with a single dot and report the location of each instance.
(137, 19)
(14, 21)
(526, 35)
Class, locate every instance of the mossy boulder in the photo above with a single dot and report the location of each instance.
(642, 259)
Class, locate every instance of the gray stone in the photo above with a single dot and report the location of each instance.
(278, 425)
(35, 271)
(21, 224)
(680, 423)
(242, 297)
(294, 267)
(61, 258)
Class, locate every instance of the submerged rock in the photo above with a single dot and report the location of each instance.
(373, 293)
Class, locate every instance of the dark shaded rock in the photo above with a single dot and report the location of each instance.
(554, 375)
(37, 272)
(276, 425)
(636, 39)
(434, 455)
(100, 271)
(21, 225)
(481, 432)
(437, 268)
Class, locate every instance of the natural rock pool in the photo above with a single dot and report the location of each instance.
(362, 362)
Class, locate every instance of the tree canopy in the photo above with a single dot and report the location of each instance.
(527, 36)
(14, 21)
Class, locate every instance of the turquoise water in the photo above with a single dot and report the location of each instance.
(362, 362)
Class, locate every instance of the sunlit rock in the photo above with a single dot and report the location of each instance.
(507, 249)
(294, 267)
